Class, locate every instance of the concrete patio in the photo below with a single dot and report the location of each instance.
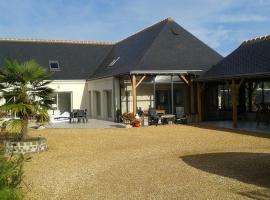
(92, 123)
(242, 126)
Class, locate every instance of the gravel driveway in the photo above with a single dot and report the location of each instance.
(165, 162)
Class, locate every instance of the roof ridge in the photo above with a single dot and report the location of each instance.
(54, 41)
(147, 28)
(169, 19)
(78, 41)
(257, 39)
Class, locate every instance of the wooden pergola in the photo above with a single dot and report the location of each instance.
(137, 79)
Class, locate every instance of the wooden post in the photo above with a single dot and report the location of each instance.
(134, 95)
(187, 80)
(189, 94)
(172, 97)
(199, 101)
(234, 104)
(192, 107)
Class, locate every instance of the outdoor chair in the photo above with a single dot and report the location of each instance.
(72, 116)
(153, 118)
(180, 116)
(81, 115)
(263, 113)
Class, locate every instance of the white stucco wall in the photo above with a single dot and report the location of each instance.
(145, 97)
(102, 85)
(78, 89)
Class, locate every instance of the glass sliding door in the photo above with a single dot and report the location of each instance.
(62, 101)
(163, 100)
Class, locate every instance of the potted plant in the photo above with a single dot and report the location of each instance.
(128, 117)
(24, 86)
(136, 122)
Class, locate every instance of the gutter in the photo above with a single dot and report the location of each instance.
(229, 77)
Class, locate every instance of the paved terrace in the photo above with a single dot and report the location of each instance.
(241, 126)
(92, 123)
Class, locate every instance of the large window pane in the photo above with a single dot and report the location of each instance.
(267, 92)
(64, 102)
(224, 97)
(109, 103)
(256, 96)
(98, 103)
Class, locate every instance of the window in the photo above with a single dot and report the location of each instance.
(224, 97)
(98, 103)
(113, 62)
(256, 93)
(109, 103)
(62, 101)
(54, 65)
(266, 90)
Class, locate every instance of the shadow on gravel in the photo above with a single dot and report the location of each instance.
(251, 168)
(117, 126)
(262, 194)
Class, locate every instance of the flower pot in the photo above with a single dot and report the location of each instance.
(136, 125)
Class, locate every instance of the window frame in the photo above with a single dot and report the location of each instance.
(54, 69)
(225, 99)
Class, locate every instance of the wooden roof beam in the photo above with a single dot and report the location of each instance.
(185, 79)
(141, 80)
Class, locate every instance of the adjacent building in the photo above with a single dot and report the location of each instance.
(238, 87)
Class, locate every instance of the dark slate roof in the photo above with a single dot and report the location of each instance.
(77, 60)
(163, 46)
(250, 59)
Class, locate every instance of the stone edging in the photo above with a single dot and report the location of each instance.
(34, 146)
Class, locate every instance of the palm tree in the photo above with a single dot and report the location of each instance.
(24, 86)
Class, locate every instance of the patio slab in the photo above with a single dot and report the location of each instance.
(92, 123)
(241, 125)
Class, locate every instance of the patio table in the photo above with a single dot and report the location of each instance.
(167, 119)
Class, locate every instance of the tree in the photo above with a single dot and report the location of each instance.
(24, 86)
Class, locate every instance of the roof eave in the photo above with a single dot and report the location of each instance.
(238, 76)
(165, 72)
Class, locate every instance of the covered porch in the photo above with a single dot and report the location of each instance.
(240, 103)
(161, 90)
(237, 89)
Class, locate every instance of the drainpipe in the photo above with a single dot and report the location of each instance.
(172, 93)
(113, 94)
(154, 92)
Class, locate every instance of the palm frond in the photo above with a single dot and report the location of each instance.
(14, 126)
(25, 88)
(25, 109)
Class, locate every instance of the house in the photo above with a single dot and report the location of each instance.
(152, 68)
(238, 87)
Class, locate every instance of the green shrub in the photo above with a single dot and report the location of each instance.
(10, 176)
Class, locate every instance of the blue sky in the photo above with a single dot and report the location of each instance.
(222, 24)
